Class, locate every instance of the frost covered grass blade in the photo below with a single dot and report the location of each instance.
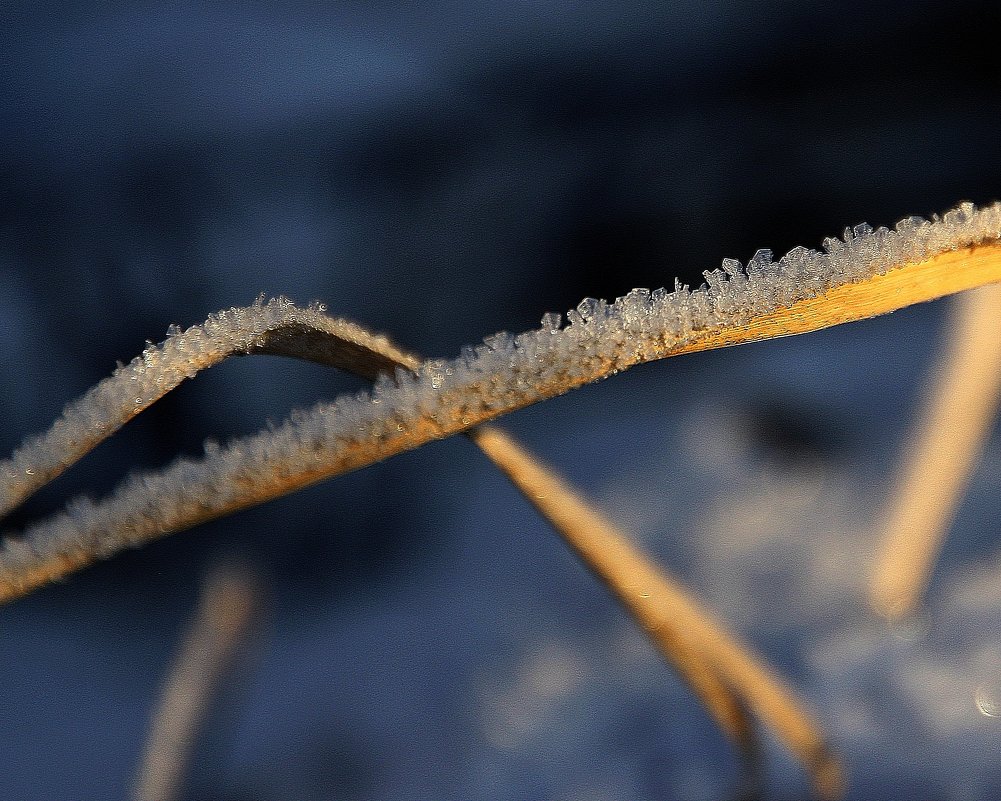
(865, 274)
(278, 327)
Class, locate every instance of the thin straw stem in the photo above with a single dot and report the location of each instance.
(672, 619)
(214, 637)
(954, 424)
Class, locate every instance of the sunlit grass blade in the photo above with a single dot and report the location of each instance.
(277, 328)
(954, 424)
(872, 272)
(665, 619)
(670, 616)
(227, 611)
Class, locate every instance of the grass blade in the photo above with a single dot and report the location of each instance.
(684, 632)
(870, 273)
(277, 327)
(955, 423)
(225, 617)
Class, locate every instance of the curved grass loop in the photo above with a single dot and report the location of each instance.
(445, 399)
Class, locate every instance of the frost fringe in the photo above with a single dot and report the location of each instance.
(442, 397)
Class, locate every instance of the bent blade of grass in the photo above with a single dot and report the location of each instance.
(954, 424)
(226, 614)
(668, 614)
(278, 328)
(870, 273)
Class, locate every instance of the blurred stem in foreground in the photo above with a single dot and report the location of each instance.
(220, 629)
(956, 420)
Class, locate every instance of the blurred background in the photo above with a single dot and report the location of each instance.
(442, 174)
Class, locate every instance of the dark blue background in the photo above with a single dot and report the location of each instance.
(442, 174)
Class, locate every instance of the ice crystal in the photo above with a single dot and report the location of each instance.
(419, 402)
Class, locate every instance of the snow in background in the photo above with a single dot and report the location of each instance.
(441, 176)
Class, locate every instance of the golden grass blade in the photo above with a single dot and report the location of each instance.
(578, 523)
(870, 275)
(277, 327)
(942, 275)
(596, 541)
(226, 615)
(668, 614)
(956, 420)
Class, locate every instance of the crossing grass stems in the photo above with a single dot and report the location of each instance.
(865, 273)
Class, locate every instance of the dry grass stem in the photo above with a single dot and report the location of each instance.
(687, 634)
(804, 292)
(954, 424)
(942, 275)
(214, 637)
(578, 523)
(278, 328)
